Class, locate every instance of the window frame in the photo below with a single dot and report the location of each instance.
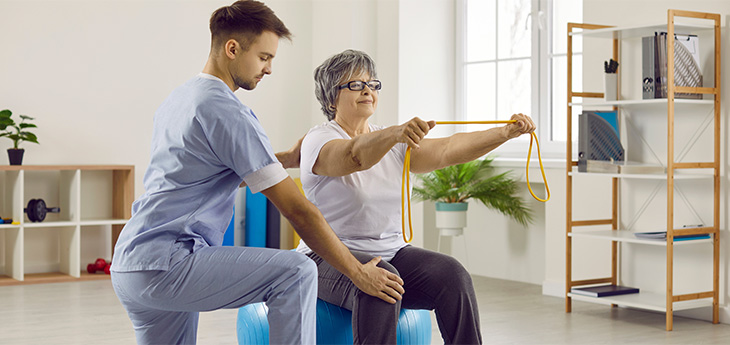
(541, 88)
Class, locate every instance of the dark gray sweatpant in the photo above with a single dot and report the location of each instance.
(432, 281)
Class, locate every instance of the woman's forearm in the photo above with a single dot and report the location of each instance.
(456, 149)
(465, 147)
(344, 157)
(368, 149)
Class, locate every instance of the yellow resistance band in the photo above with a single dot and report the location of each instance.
(406, 187)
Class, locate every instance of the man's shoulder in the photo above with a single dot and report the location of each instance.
(213, 98)
(209, 90)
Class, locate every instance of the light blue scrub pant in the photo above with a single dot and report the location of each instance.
(164, 305)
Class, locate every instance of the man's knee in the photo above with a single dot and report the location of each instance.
(304, 267)
(309, 268)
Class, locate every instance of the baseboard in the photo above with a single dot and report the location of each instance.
(42, 268)
(705, 314)
(552, 288)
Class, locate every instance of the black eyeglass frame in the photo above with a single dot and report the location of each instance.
(374, 85)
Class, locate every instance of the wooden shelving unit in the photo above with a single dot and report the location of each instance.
(669, 301)
(88, 196)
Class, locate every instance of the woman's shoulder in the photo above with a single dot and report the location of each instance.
(326, 128)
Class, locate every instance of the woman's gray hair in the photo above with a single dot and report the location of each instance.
(335, 71)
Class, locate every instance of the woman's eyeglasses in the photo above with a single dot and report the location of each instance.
(357, 85)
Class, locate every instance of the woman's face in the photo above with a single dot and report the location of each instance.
(356, 103)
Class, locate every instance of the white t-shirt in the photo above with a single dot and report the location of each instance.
(363, 208)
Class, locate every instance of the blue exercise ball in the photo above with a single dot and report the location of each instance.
(334, 325)
(252, 327)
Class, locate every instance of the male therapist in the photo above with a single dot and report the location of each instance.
(169, 263)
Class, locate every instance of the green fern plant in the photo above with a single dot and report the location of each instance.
(477, 180)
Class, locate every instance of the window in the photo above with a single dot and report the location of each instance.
(561, 13)
(512, 59)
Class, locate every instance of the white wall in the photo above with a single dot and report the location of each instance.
(92, 73)
(81, 67)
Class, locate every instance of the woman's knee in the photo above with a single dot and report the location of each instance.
(387, 266)
(364, 258)
(452, 271)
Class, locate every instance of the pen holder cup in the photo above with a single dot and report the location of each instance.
(610, 81)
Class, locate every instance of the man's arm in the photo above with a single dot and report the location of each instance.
(313, 229)
(289, 158)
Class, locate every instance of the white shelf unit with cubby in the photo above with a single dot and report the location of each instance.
(89, 197)
(677, 172)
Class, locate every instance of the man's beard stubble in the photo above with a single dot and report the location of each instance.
(246, 85)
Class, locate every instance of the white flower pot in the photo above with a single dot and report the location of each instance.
(451, 218)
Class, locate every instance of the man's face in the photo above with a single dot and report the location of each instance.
(250, 66)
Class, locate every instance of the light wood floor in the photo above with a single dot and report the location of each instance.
(511, 313)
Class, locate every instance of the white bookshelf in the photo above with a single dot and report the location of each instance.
(644, 300)
(678, 103)
(678, 170)
(627, 236)
(677, 176)
(624, 32)
(87, 195)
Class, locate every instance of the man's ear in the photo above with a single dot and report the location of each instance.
(231, 48)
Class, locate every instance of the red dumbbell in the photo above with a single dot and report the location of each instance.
(99, 265)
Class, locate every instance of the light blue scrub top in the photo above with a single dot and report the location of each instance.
(204, 143)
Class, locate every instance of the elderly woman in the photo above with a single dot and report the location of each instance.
(351, 170)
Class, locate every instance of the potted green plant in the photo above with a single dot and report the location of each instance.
(17, 132)
(453, 186)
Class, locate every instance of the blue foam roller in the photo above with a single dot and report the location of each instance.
(229, 235)
(255, 223)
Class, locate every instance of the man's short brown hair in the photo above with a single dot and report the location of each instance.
(244, 21)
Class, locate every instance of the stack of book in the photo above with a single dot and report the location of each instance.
(604, 290)
(662, 236)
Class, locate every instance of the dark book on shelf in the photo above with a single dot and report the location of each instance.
(662, 235)
(604, 290)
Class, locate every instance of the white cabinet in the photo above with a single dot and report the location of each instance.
(90, 197)
(676, 115)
